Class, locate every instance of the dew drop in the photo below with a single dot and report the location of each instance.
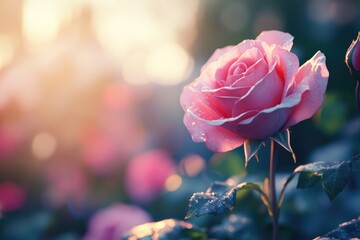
(203, 137)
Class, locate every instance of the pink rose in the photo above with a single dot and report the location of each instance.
(110, 223)
(252, 91)
(146, 175)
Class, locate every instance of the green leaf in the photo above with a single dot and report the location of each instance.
(334, 180)
(251, 147)
(345, 231)
(333, 176)
(283, 139)
(165, 230)
(308, 179)
(219, 198)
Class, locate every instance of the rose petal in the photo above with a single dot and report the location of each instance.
(315, 75)
(282, 39)
(192, 101)
(287, 65)
(252, 74)
(215, 56)
(264, 94)
(269, 121)
(220, 140)
(217, 68)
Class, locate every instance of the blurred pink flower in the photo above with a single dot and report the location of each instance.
(12, 196)
(110, 223)
(117, 96)
(98, 151)
(146, 175)
(10, 138)
(65, 182)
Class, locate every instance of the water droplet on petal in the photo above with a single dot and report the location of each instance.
(203, 137)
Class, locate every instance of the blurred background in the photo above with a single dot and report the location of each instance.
(91, 134)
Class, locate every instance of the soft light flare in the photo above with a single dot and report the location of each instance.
(43, 145)
(193, 164)
(7, 49)
(168, 64)
(173, 182)
(41, 21)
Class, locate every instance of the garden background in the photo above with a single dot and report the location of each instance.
(90, 116)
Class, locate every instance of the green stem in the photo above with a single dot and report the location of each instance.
(272, 190)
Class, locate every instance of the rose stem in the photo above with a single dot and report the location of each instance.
(272, 188)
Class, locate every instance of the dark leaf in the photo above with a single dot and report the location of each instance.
(333, 176)
(345, 231)
(219, 198)
(251, 147)
(283, 139)
(308, 180)
(165, 230)
(334, 180)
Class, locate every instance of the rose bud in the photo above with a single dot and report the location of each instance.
(352, 58)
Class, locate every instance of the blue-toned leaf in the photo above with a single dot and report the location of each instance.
(219, 198)
(308, 179)
(333, 176)
(335, 179)
(165, 230)
(345, 231)
(283, 139)
(251, 147)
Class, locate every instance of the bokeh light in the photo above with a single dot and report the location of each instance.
(173, 182)
(44, 145)
(192, 164)
(168, 64)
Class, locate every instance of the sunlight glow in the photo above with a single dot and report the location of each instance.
(6, 50)
(129, 26)
(168, 64)
(134, 69)
(43, 145)
(41, 21)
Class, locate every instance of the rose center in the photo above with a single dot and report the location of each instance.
(239, 69)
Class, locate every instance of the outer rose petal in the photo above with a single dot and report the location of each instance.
(269, 121)
(215, 56)
(287, 66)
(216, 138)
(284, 40)
(192, 100)
(315, 74)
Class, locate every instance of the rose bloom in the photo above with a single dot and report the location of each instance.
(252, 91)
(110, 223)
(146, 175)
